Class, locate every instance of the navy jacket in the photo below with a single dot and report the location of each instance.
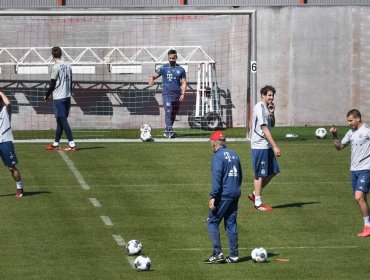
(226, 175)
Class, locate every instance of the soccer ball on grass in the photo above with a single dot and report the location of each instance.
(259, 254)
(133, 247)
(145, 134)
(142, 263)
(321, 133)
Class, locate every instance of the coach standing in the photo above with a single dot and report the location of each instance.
(224, 197)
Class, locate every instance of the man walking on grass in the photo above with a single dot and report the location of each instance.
(359, 138)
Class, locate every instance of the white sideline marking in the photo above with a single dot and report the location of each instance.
(272, 248)
(106, 220)
(119, 240)
(131, 261)
(74, 170)
(95, 202)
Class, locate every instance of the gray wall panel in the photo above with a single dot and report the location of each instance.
(319, 61)
(338, 2)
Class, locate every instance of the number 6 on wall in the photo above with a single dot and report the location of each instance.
(253, 66)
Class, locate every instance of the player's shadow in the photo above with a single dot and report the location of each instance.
(35, 193)
(245, 259)
(249, 258)
(90, 148)
(295, 204)
(26, 194)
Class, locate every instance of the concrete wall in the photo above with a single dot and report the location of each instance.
(318, 59)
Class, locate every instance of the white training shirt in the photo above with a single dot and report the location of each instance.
(261, 116)
(360, 147)
(62, 72)
(6, 133)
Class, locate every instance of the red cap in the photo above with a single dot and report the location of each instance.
(217, 135)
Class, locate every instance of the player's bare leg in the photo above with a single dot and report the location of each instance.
(361, 200)
(364, 209)
(18, 180)
(258, 185)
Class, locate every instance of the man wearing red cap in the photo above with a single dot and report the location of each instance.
(224, 197)
(264, 148)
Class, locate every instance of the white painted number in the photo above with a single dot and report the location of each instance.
(253, 66)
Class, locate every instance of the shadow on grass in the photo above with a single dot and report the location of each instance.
(249, 258)
(25, 194)
(296, 204)
(90, 148)
(245, 259)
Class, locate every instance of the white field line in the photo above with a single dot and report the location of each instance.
(209, 184)
(274, 248)
(74, 170)
(131, 261)
(106, 220)
(119, 240)
(138, 140)
(183, 185)
(95, 202)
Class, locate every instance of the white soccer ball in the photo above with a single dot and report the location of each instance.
(142, 263)
(321, 133)
(259, 254)
(133, 247)
(145, 134)
(145, 127)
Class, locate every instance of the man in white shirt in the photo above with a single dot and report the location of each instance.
(61, 88)
(7, 151)
(359, 138)
(264, 148)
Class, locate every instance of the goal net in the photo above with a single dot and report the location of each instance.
(112, 58)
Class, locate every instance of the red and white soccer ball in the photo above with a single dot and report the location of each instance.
(133, 247)
(259, 254)
(321, 133)
(142, 263)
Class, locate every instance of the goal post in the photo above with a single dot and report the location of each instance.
(113, 53)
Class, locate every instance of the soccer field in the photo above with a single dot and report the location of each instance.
(78, 205)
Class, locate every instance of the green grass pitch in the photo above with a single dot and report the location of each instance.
(158, 193)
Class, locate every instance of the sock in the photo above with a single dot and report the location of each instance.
(258, 201)
(72, 144)
(367, 221)
(254, 193)
(19, 185)
(56, 144)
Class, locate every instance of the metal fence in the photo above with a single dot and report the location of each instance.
(171, 3)
(28, 3)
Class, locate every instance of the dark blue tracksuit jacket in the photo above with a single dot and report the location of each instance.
(226, 175)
